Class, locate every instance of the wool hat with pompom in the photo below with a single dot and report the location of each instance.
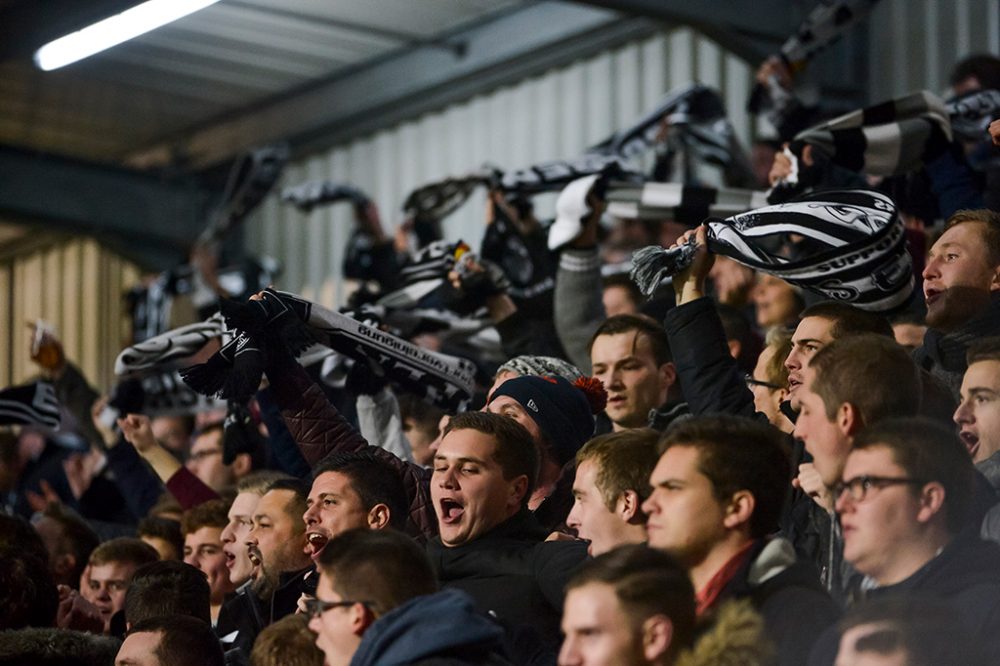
(564, 411)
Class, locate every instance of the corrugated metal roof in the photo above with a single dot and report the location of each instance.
(220, 61)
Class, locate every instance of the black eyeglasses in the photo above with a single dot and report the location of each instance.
(860, 485)
(751, 382)
(316, 607)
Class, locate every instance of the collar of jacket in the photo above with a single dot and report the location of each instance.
(661, 417)
(949, 349)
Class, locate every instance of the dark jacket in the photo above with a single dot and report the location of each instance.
(787, 593)
(966, 576)
(513, 574)
(943, 354)
(441, 628)
(247, 614)
(710, 378)
(319, 429)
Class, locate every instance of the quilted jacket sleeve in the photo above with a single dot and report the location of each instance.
(319, 429)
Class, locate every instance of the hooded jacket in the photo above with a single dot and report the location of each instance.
(734, 636)
(442, 628)
(788, 595)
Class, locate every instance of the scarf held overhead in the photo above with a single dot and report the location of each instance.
(862, 258)
(886, 139)
(693, 110)
(443, 380)
(30, 404)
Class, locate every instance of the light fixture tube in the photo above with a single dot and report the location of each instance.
(114, 30)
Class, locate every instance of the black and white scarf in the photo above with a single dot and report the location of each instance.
(30, 404)
(523, 258)
(162, 350)
(446, 381)
(680, 202)
(826, 23)
(972, 113)
(251, 177)
(166, 394)
(307, 196)
(424, 272)
(886, 139)
(657, 201)
(859, 254)
(438, 200)
(694, 111)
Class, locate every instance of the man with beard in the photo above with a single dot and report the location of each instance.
(962, 292)
(276, 544)
(233, 616)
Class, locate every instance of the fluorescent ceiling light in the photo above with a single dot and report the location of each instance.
(114, 30)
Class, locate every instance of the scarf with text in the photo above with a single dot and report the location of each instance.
(236, 369)
(857, 248)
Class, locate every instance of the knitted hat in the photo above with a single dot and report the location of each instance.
(541, 366)
(563, 411)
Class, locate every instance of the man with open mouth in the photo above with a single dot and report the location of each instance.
(350, 491)
(490, 545)
(962, 293)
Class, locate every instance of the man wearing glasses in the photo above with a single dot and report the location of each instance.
(365, 574)
(903, 501)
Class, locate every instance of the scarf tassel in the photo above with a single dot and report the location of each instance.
(650, 265)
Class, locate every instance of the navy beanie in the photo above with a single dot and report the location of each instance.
(562, 411)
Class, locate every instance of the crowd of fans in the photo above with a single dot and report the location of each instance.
(733, 471)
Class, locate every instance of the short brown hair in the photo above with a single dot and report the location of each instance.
(644, 325)
(624, 462)
(647, 582)
(287, 642)
(989, 222)
(124, 549)
(872, 373)
(928, 451)
(776, 371)
(984, 349)
(384, 567)
(213, 513)
(737, 453)
(260, 482)
(849, 320)
(515, 451)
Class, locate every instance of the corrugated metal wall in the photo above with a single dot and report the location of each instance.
(76, 286)
(915, 43)
(552, 116)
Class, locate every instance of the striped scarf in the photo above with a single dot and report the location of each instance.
(860, 254)
(307, 196)
(827, 23)
(654, 201)
(160, 351)
(887, 139)
(234, 373)
(30, 404)
(695, 113)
